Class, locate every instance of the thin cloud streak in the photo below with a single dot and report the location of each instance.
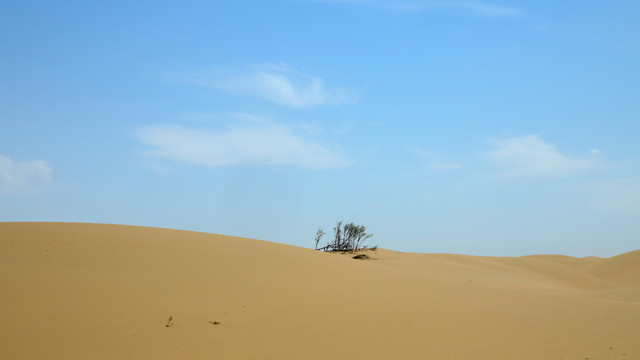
(277, 83)
(410, 7)
(530, 156)
(484, 9)
(258, 143)
(19, 177)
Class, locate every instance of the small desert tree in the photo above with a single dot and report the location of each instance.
(347, 237)
(319, 234)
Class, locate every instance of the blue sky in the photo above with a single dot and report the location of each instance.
(474, 127)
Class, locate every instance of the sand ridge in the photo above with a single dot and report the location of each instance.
(78, 291)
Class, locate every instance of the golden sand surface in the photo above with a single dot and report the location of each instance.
(95, 291)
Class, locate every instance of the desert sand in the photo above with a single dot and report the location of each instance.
(92, 291)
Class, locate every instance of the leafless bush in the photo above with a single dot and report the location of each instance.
(347, 237)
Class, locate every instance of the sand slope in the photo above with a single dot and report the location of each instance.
(87, 291)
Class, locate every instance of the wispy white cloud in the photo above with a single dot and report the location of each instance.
(530, 156)
(483, 9)
(434, 160)
(17, 177)
(278, 83)
(252, 142)
(478, 8)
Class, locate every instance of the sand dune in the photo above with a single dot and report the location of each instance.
(88, 291)
(623, 269)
